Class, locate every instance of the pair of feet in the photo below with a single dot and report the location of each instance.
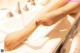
(14, 39)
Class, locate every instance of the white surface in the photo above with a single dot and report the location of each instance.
(41, 31)
(18, 21)
(47, 48)
(2, 36)
(11, 24)
(38, 43)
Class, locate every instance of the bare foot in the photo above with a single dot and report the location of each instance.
(51, 18)
(12, 40)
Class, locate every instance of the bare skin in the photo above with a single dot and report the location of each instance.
(46, 17)
(52, 17)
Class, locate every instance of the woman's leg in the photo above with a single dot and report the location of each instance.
(75, 11)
